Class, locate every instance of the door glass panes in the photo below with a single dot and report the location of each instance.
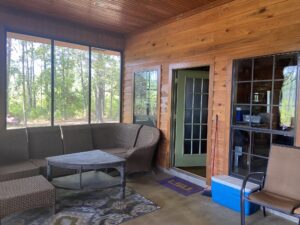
(283, 118)
(197, 101)
(28, 81)
(187, 131)
(196, 108)
(241, 115)
(71, 90)
(263, 68)
(204, 132)
(282, 140)
(258, 164)
(243, 93)
(105, 86)
(204, 115)
(196, 146)
(145, 97)
(188, 115)
(239, 163)
(264, 107)
(205, 100)
(241, 141)
(187, 147)
(204, 146)
(196, 131)
(198, 85)
(197, 115)
(262, 93)
(205, 86)
(261, 143)
(260, 117)
(286, 67)
(243, 70)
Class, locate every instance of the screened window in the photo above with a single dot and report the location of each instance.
(105, 94)
(146, 97)
(263, 109)
(28, 81)
(52, 82)
(71, 83)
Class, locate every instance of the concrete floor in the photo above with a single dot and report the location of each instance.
(192, 210)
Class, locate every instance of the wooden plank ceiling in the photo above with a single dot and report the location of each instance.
(120, 16)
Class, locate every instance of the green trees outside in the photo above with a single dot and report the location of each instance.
(29, 83)
(105, 90)
(71, 85)
(288, 96)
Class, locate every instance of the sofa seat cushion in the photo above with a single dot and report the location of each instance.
(39, 162)
(121, 152)
(279, 202)
(18, 170)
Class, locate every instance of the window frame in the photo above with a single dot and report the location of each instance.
(156, 68)
(53, 39)
(295, 133)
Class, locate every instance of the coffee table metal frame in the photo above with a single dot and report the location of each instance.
(81, 166)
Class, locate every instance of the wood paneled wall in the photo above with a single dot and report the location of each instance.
(241, 28)
(18, 21)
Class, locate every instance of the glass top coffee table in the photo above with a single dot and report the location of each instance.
(91, 161)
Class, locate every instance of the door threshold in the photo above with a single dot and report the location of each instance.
(193, 178)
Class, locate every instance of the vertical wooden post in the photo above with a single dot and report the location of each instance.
(297, 137)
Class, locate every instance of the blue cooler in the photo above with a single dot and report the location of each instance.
(226, 192)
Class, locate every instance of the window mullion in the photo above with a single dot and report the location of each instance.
(90, 85)
(52, 81)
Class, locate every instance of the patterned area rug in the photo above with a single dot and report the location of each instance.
(87, 208)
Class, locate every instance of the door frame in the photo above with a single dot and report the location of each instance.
(173, 68)
(189, 159)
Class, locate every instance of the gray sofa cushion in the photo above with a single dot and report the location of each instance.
(44, 142)
(118, 135)
(13, 146)
(77, 138)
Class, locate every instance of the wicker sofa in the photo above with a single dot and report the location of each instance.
(23, 151)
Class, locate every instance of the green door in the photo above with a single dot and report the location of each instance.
(191, 118)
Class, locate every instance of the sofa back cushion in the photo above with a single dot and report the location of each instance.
(44, 142)
(114, 135)
(147, 136)
(283, 176)
(77, 138)
(13, 146)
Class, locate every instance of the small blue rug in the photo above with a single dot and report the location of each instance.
(181, 186)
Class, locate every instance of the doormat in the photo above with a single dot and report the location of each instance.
(181, 186)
